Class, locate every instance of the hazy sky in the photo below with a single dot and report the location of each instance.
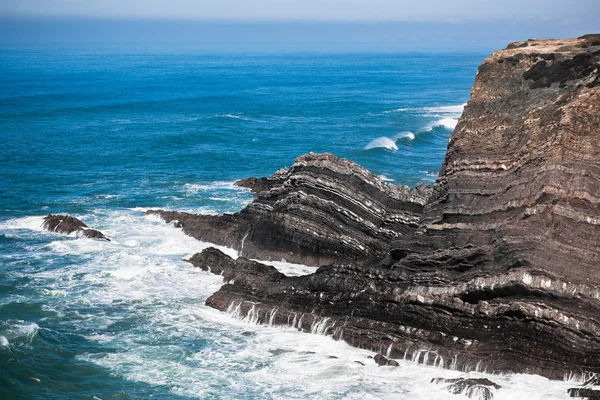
(411, 24)
(311, 10)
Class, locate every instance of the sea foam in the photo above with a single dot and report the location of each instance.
(140, 280)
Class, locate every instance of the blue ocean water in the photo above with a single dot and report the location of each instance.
(106, 132)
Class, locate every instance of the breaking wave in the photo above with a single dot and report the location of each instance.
(405, 135)
(448, 123)
(385, 142)
(382, 142)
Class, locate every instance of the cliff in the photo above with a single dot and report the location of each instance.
(497, 268)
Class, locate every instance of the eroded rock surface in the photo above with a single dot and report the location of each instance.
(498, 269)
(67, 224)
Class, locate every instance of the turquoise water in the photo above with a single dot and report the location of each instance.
(104, 133)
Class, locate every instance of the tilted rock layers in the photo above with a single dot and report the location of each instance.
(323, 209)
(497, 268)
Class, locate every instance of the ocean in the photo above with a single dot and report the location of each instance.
(105, 132)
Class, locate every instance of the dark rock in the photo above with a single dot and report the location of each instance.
(256, 185)
(67, 224)
(496, 268)
(473, 388)
(382, 360)
(62, 224)
(249, 272)
(212, 260)
(585, 393)
(578, 67)
(360, 362)
(593, 381)
(93, 234)
(591, 40)
(516, 45)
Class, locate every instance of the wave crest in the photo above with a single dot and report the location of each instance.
(382, 142)
(448, 123)
(405, 135)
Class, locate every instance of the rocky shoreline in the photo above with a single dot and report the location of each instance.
(496, 268)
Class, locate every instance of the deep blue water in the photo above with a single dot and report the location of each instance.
(139, 123)
(104, 133)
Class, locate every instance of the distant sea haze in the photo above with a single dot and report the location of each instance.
(104, 133)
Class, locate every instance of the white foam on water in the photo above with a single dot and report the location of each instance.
(232, 116)
(385, 178)
(19, 331)
(225, 193)
(194, 188)
(290, 269)
(448, 123)
(33, 223)
(405, 135)
(239, 117)
(454, 110)
(139, 278)
(382, 142)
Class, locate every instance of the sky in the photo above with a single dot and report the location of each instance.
(310, 10)
(425, 22)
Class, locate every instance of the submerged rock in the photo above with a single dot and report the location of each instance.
(67, 224)
(473, 388)
(382, 361)
(497, 268)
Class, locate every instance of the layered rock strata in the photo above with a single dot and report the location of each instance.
(323, 209)
(497, 269)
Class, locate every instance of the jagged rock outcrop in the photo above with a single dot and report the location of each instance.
(67, 224)
(497, 269)
(472, 388)
(323, 209)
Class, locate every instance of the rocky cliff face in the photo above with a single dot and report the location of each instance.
(497, 268)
